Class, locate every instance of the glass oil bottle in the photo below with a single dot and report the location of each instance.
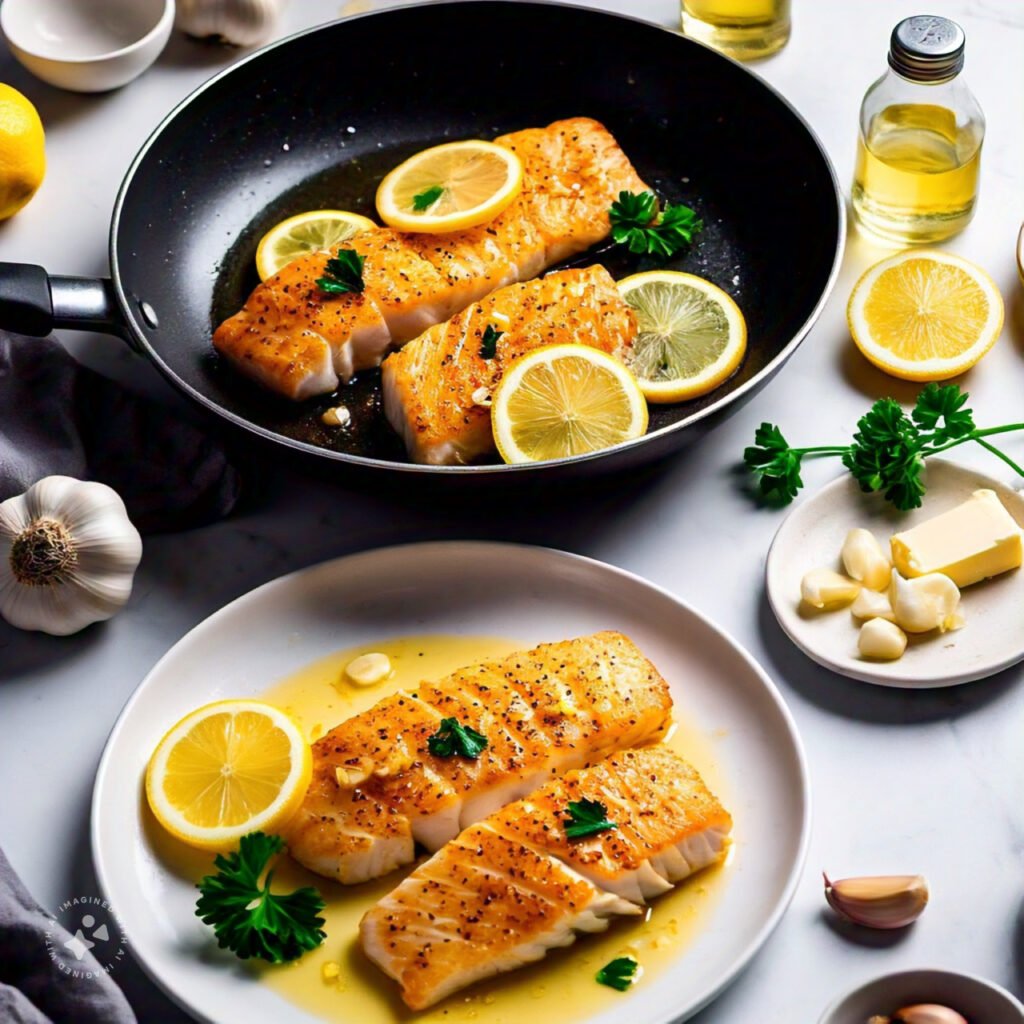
(921, 130)
(744, 29)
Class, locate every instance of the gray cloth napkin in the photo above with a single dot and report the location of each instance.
(45, 976)
(56, 416)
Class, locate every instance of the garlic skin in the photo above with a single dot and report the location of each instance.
(925, 603)
(864, 559)
(881, 640)
(237, 22)
(68, 554)
(928, 1013)
(882, 901)
(871, 604)
(826, 588)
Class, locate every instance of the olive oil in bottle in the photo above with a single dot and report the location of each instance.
(744, 29)
(921, 130)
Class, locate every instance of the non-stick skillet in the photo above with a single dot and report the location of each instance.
(315, 120)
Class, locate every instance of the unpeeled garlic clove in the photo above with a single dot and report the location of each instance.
(864, 559)
(925, 603)
(928, 1013)
(880, 901)
(826, 588)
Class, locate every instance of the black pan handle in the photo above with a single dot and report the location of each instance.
(34, 303)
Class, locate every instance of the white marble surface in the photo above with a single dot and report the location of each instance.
(927, 781)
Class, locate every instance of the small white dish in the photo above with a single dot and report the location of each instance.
(980, 1001)
(812, 535)
(525, 593)
(87, 45)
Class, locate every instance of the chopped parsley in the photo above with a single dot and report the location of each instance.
(453, 738)
(586, 818)
(489, 342)
(343, 273)
(426, 199)
(638, 224)
(619, 973)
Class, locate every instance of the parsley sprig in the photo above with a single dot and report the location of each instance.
(247, 917)
(586, 818)
(343, 273)
(454, 738)
(489, 342)
(889, 449)
(638, 224)
(619, 973)
(426, 199)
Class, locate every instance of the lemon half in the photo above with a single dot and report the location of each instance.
(691, 336)
(226, 769)
(925, 315)
(565, 400)
(450, 187)
(313, 231)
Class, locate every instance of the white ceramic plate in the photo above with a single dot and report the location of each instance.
(973, 997)
(812, 535)
(465, 588)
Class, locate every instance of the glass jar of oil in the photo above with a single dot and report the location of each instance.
(744, 29)
(921, 129)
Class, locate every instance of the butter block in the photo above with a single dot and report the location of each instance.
(971, 542)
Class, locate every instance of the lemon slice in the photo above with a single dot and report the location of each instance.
(565, 400)
(313, 231)
(691, 335)
(925, 315)
(450, 187)
(228, 768)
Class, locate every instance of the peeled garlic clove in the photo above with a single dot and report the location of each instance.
(369, 669)
(871, 604)
(826, 588)
(864, 559)
(881, 640)
(925, 603)
(928, 1013)
(882, 901)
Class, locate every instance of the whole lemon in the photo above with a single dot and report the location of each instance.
(22, 151)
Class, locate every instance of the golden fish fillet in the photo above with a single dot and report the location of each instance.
(437, 388)
(298, 341)
(377, 790)
(513, 886)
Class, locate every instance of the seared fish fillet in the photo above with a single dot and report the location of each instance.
(377, 790)
(434, 386)
(297, 341)
(514, 886)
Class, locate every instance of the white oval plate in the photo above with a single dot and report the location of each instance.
(812, 535)
(975, 998)
(470, 588)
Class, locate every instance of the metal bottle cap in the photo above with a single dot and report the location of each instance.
(927, 48)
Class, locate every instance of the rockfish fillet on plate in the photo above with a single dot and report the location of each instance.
(513, 886)
(377, 790)
(298, 341)
(437, 388)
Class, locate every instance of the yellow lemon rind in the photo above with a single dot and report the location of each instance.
(266, 267)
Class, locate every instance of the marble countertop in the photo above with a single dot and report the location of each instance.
(924, 782)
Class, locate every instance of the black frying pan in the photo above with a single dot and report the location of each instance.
(315, 121)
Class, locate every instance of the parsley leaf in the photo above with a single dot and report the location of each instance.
(586, 818)
(452, 738)
(945, 404)
(247, 917)
(424, 200)
(489, 342)
(637, 224)
(777, 464)
(343, 273)
(619, 973)
(888, 452)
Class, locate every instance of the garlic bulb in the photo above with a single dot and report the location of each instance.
(884, 901)
(238, 22)
(68, 553)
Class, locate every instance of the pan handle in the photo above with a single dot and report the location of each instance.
(34, 303)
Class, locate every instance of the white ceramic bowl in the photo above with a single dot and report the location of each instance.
(87, 45)
(980, 1001)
